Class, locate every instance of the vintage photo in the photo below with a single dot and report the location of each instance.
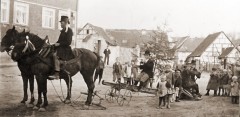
(119, 58)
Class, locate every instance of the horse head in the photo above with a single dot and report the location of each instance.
(28, 43)
(10, 38)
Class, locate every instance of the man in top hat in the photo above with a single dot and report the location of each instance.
(62, 46)
(147, 70)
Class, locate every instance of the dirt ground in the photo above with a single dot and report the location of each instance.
(142, 105)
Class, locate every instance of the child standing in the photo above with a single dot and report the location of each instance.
(117, 71)
(223, 83)
(213, 83)
(235, 90)
(128, 73)
(162, 91)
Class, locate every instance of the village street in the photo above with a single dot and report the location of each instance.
(142, 105)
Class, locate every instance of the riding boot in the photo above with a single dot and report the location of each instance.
(136, 82)
(56, 66)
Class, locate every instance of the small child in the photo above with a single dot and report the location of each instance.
(117, 71)
(128, 73)
(224, 83)
(162, 91)
(235, 90)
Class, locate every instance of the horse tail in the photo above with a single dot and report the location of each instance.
(98, 59)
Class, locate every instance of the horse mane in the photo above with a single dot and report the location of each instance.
(36, 40)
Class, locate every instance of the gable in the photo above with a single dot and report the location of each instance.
(212, 45)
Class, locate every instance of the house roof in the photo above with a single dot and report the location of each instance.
(129, 38)
(87, 38)
(226, 52)
(101, 32)
(179, 41)
(190, 44)
(124, 38)
(204, 44)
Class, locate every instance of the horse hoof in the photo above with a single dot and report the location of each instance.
(67, 101)
(35, 108)
(30, 105)
(23, 102)
(42, 109)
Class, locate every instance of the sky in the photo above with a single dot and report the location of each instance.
(194, 18)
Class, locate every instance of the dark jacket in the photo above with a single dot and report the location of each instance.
(107, 52)
(117, 68)
(148, 68)
(100, 65)
(213, 82)
(178, 82)
(64, 50)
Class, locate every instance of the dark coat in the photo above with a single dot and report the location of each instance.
(107, 52)
(186, 78)
(64, 50)
(117, 68)
(178, 82)
(148, 68)
(213, 82)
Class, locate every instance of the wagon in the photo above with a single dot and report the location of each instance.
(122, 92)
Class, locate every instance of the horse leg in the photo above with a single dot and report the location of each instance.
(39, 102)
(88, 78)
(25, 86)
(31, 83)
(69, 89)
(44, 91)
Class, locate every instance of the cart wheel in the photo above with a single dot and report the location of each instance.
(128, 97)
(120, 99)
(125, 98)
(109, 95)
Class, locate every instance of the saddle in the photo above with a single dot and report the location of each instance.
(48, 49)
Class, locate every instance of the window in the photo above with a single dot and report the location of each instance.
(62, 13)
(5, 11)
(48, 18)
(21, 13)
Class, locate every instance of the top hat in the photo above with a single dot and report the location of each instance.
(64, 19)
(147, 52)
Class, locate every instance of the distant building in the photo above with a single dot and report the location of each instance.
(124, 44)
(230, 54)
(211, 47)
(38, 16)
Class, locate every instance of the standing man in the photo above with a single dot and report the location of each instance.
(62, 46)
(106, 52)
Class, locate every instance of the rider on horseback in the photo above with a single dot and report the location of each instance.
(62, 46)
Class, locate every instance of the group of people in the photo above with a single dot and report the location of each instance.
(225, 82)
(172, 82)
(130, 71)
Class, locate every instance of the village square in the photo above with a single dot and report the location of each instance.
(64, 59)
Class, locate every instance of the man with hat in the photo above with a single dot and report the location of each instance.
(147, 70)
(62, 46)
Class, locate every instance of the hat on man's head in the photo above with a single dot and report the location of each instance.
(64, 19)
(147, 52)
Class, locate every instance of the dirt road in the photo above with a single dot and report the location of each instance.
(142, 105)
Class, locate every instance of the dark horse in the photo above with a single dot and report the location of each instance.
(42, 66)
(7, 42)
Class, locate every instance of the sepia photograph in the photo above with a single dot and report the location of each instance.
(119, 58)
